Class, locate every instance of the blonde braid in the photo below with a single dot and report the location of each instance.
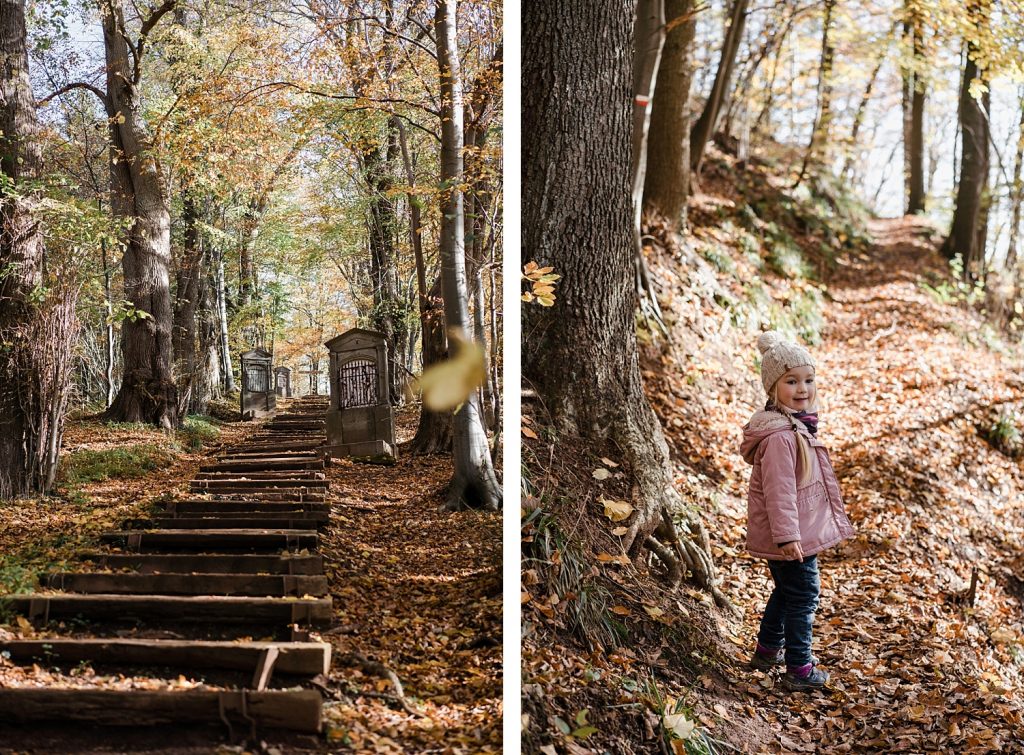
(802, 446)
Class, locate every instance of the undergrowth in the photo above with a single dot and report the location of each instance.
(85, 465)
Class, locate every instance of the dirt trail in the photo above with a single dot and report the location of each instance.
(905, 382)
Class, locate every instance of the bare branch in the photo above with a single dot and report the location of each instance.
(77, 85)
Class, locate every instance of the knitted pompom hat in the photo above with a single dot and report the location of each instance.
(779, 356)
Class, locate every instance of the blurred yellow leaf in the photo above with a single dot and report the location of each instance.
(448, 384)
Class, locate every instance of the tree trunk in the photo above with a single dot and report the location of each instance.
(915, 144)
(648, 42)
(186, 303)
(704, 127)
(208, 385)
(818, 149)
(434, 433)
(667, 184)
(389, 311)
(850, 169)
(37, 336)
(581, 354)
(148, 392)
(974, 157)
(222, 322)
(1016, 194)
(474, 483)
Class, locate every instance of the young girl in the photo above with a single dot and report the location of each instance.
(794, 508)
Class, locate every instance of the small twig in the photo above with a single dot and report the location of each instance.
(887, 332)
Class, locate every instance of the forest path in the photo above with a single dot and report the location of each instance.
(903, 392)
(417, 590)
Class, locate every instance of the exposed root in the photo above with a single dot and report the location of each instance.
(383, 672)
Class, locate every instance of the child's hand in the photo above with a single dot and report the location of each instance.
(793, 551)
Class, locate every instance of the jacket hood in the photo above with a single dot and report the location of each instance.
(762, 424)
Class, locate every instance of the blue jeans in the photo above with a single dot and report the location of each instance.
(789, 614)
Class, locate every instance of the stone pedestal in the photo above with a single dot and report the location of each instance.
(360, 420)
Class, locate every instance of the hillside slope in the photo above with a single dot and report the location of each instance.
(912, 383)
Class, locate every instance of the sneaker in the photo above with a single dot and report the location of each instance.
(768, 662)
(817, 679)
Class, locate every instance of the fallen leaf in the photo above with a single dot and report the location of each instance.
(617, 511)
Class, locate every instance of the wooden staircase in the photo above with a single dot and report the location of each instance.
(236, 558)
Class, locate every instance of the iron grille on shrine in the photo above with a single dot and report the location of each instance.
(358, 384)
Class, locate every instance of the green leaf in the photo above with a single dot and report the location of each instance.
(584, 731)
(581, 717)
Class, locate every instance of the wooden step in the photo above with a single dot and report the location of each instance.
(254, 585)
(194, 507)
(287, 519)
(213, 540)
(43, 607)
(258, 483)
(294, 658)
(295, 710)
(262, 465)
(310, 475)
(185, 563)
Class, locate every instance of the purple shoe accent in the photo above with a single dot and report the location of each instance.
(800, 672)
(766, 651)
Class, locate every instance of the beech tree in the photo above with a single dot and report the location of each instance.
(474, 483)
(581, 354)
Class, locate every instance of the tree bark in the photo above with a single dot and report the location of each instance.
(916, 86)
(581, 354)
(648, 42)
(37, 333)
(667, 184)
(148, 391)
(434, 433)
(703, 129)
(974, 160)
(222, 321)
(474, 483)
(186, 304)
(1016, 197)
(389, 315)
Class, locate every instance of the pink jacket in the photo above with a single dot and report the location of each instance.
(779, 509)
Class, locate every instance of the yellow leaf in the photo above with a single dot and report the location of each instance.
(448, 384)
(528, 432)
(546, 301)
(601, 474)
(524, 597)
(620, 610)
(654, 612)
(620, 531)
(617, 511)
(527, 296)
(529, 267)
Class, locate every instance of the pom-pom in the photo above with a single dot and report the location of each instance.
(768, 340)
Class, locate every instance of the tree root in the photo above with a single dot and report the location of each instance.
(383, 672)
(673, 551)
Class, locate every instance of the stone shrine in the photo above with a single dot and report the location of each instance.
(258, 398)
(360, 420)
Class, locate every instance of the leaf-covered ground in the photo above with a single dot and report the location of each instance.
(912, 383)
(417, 592)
